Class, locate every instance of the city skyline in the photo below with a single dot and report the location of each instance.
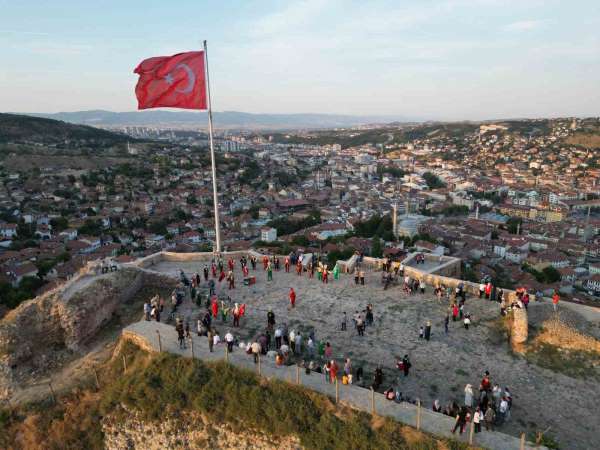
(439, 60)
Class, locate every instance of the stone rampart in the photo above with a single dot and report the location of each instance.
(65, 319)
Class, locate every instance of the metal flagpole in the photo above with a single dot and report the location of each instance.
(212, 157)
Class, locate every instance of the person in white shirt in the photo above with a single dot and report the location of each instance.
(278, 335)
(216, 339)
(229, 340)
(497, 394)
(292, 338)
(298, 345)
(310, 345)
(256, 348)
(467, 322)
(477, 419)
(502, 410)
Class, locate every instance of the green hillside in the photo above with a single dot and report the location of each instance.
(163, 387)
(20, 129)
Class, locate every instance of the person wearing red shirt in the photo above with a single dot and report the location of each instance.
(555, 299)
(292, 297)
(215, 307)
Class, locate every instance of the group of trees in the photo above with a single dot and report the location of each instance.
(547, 275)
(380, 226)
(11, 296)
(285, 226)
(251, 172)
(395, 172)
(433, 181)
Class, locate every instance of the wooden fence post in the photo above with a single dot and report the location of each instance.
(418, 414)
(337, 391)
(472, 431)
(96, 378)
(522, 446)
(159, 341)
(297, 374)
(372, 400)
(226, 354)
(124, 364)
(258, 363)
(52, 392)
(192, 345)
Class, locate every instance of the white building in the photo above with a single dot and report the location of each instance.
(268, 234)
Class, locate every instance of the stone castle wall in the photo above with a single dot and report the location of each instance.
(32, 333)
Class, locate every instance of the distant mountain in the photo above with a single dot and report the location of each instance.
(225, 119)
(18, 128)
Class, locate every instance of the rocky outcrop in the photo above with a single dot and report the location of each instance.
(32, 335)
(187, 431)
(519, 329)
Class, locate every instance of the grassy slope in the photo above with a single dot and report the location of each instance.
(19, 128)
(158, 386)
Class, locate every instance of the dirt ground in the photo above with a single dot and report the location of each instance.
(442, 367)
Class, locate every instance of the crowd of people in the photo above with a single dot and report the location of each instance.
(286, 345)
(489, 405)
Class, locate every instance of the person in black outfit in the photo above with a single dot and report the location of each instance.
(461, 420)
(378, 378)
(270, 320)
(406, 365)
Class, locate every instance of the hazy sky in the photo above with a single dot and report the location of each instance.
(447, 59)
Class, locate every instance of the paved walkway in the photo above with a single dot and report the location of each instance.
(147, 334)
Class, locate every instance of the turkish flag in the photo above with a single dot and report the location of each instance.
(177, 81)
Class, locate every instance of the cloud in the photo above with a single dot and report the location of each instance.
(524, 25)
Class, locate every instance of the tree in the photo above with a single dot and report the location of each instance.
(551, 275)
(59, 223)
(25, 231)
(301, 240)
(433, 181)
(376, 249)
(513, 224)
(45, 266)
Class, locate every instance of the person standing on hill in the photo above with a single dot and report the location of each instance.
(461, 420)
(428, 330)
(406, 365)
(229, 341)
(270, 320)
(555, 299)
(468, 395)
(180, 333)
(292, 298)
(255, 351)
(377, 378)
(278, 337)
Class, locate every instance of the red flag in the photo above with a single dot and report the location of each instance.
(177, 81)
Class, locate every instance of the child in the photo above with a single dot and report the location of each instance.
(467, 321)
(421, 332)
